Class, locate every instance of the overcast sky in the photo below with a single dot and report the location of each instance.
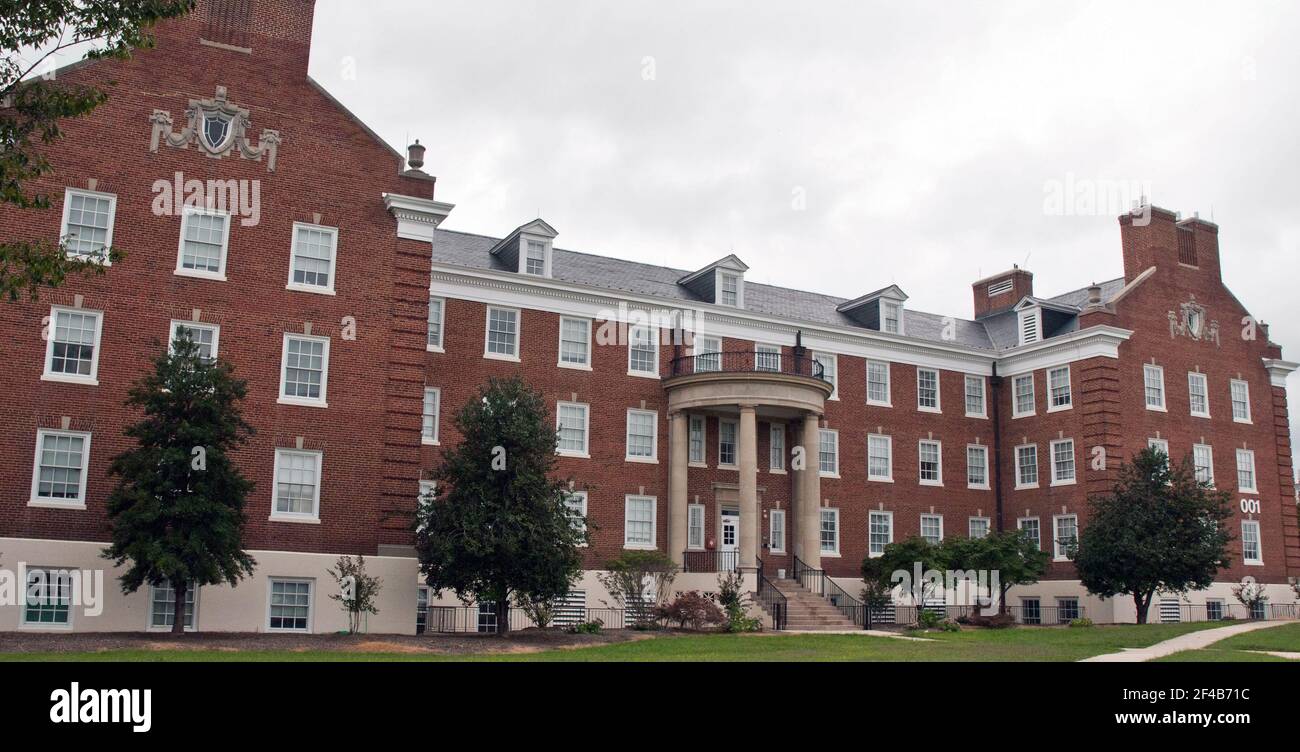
(842, 146)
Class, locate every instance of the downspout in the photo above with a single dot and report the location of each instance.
(995, 382)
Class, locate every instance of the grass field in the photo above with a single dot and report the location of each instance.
(1285, 639)
(970, 645)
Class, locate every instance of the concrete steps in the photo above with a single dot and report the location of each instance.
(809, 611)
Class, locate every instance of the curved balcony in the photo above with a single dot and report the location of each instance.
(785, 382)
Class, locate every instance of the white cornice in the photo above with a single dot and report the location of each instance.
(417, 218)
(1278, 370)
(1095, 341)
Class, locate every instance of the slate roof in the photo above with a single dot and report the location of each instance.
(992, 333)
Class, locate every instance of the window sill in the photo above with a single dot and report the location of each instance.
(776, 471)
(931, 483)
(1253, 563)
(434, 349)
(642, 460)
(1157, 409)
(574, 455)
(1027, 487)
(213, 276)
(1205, 416)
(875, 554)
(834, 398)
(1251, 491)
(1244, 421)
(1060, 409)
(45, 627)
(978, 488)
(1071, 482)
(301, 402)
(879, 404)
(639, 547)
(573, 366)
(310, 288)
(429, 442)
(500, 356)
(301, 520)
(1018, 416)
(1059, 559)
(879, 479)
(58, 378)
(722, 466)
(827, 555)
(700, 465)
(931, 410)
(643, 375)
(977, 416)
(48, 504)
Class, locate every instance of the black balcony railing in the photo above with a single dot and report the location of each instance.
(710, 561)
(742, 361)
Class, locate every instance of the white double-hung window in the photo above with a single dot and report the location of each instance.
(931, 458)
(642, 435)
(828, 453)
(296, 486)
(205, 235)
(304, 370)
(1203, 463)
(571, 422)
(1153, 384)
(575, 343)
(1240, 401)
(878, 383)
(880, 458)
(502, 340)
(72, 346)
(1027, 466)
(88, 218)
(430, 414)
(1060, 396)
(311, 264)
(975, 407)
(927, 390)
(60, 469)
(642, 351)
(1246, 471)
(1198, 393)
(639, 522)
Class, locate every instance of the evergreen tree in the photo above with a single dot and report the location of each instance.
(177, 512)
(1159, 530)
(497, 527)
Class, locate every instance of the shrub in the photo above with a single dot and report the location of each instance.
(928, 619)
(997, 621)
(587, 627)
(731, 596)
(691, 610)
(627, 580)
(948, 625)
(1084, 622)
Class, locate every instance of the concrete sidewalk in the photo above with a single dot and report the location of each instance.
(1189, 641)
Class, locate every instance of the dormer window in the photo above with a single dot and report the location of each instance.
(881, 310)
(1031, 326)
(535, 258)
(729, 289)
(891, 317)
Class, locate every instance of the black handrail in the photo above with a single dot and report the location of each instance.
(817, 581)
(740, 361)
(773, 600)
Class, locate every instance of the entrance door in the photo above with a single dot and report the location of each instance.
(729, 547)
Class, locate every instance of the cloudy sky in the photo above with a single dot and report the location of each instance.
(842, 146)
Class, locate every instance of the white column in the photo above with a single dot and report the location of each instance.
(678, 457)
(749, 527)
(810, 496)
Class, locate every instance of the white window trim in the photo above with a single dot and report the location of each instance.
(585, 453)
(148, 617)
(839, 533)
(39, 626)
(311, 603)
(888, 516)
(731, 465)
(654, 340)
(324, 372)
(1020, 527)
(333, 232)
(988, 526)
(442, 326)
(1163, 407)
(312, 518)
(902, 316)
(889, 389)
(547, 254)
(740, 287)
(653, 459)
(704, 440)
(1069, 383)
(1015, 398)
(68, 193)
(437, 416)
(1161, 444)
(1254, 475)
(938, 444)
(220, 274)
(835, 360)
(1057, 554)
(1249, 419)
(938, 391)
(216, 333)
(921, 522)
(67, 378)
(703, 539)
(984, 395)
(40, 501)
(1259, 545)
(986, 485)
(889, 443)
(1038, 468)
(821, 473)
(1209, 450)
(519, 333)
(770, 346)
(770, 516)
(773, 430)
(1051, 450)
(1205, 383)
(583, 496)
(559, 348)
(654, 522)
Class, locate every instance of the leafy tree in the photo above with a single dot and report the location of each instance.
(638, 581)
(1250, 594)
(31, 108)
(497, 527)
(902, 556)
(357, 590)
(1016, 558)
(1158, 530)
(177, 512)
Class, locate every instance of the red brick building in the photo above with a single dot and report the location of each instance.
(316, 284)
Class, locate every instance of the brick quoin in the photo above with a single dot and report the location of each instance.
(330, 164)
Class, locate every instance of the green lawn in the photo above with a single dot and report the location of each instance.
(1285, 638)
(1023, 644)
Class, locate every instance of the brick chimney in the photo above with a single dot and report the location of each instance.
(1152, 236)
(1001, 291)
(275, 32)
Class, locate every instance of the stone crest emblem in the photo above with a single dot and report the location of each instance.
(216, 127)
(1191, 320)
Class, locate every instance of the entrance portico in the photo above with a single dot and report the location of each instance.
(735, 386)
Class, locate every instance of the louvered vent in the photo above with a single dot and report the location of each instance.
(228, 22)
